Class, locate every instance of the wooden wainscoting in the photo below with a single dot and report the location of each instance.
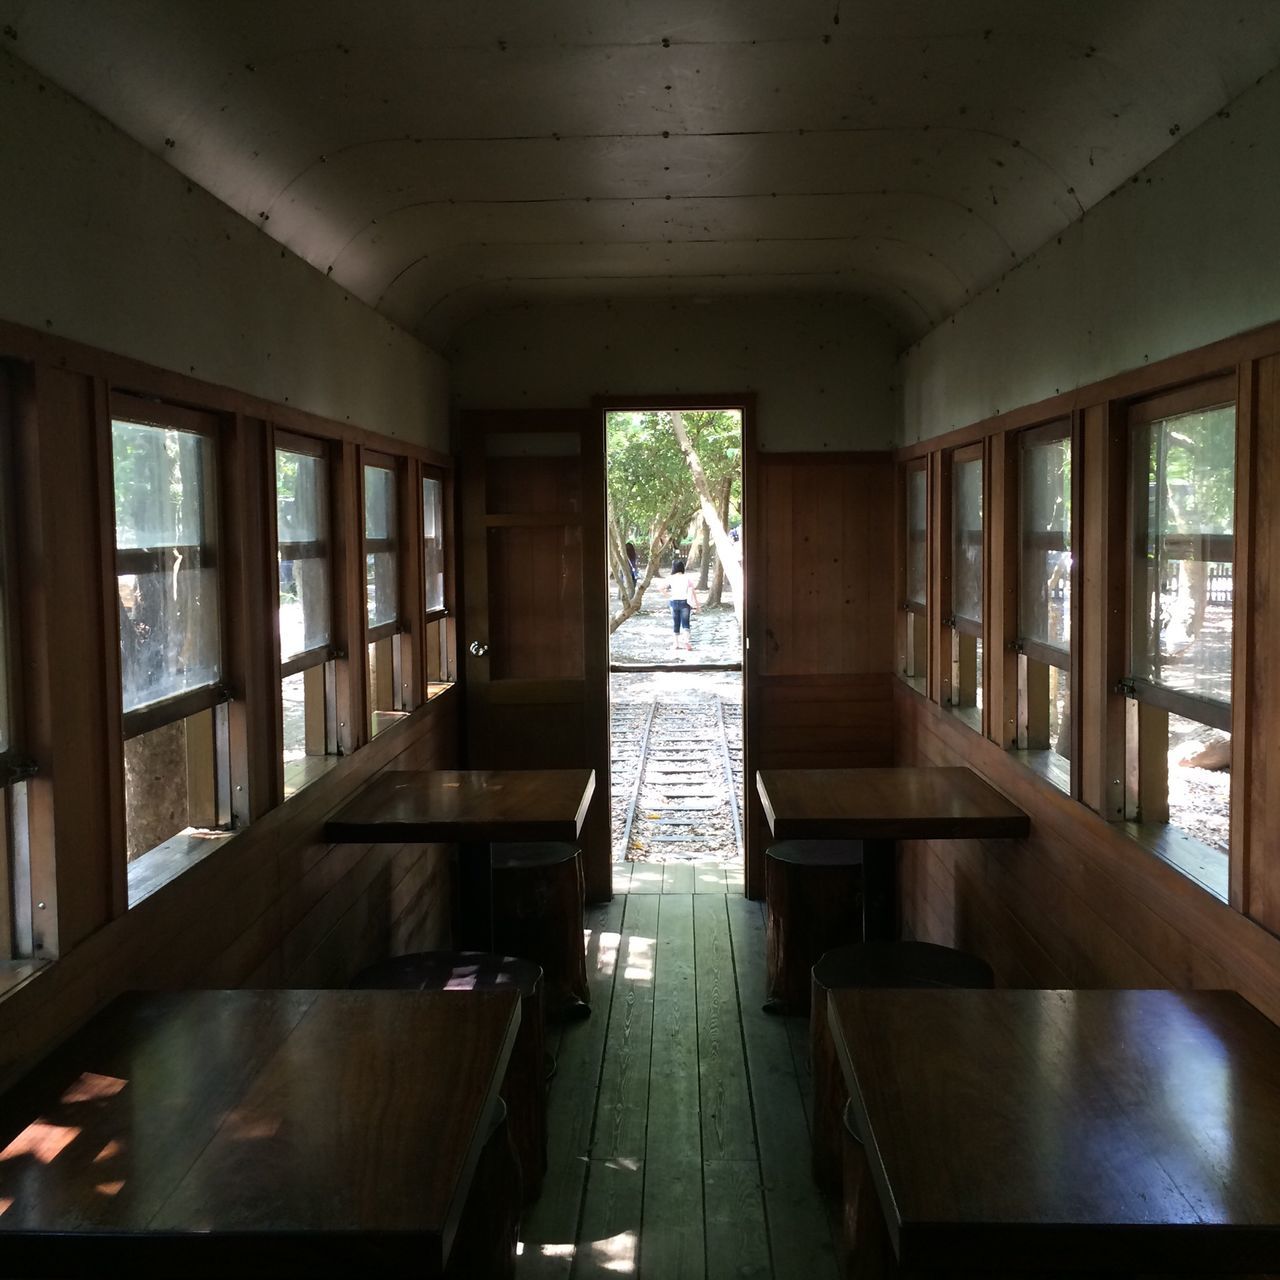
(820, 611)
(1077, 903)
(277, 906)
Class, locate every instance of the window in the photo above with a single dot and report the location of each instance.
(382, 592)
(963, 684)
(1045, 567)
(177, 785)
(438, 629)
(1182, 514)
(307, 674)
(914, 646)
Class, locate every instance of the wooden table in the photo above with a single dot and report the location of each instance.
(879, 807)
(1107, 1130)
(253, 1133)
(474, 808)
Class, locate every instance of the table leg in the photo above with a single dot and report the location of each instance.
(879, 891)
(475, 898)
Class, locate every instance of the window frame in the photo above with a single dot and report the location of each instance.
(164, 416)
(1026, 650)
(225, 812)
(913, 638)
(1147, 705)
(957, 629)
(324, 656)
(371, 458)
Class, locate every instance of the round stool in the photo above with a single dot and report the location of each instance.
(863, 1241)
(537, 912)
(489, 1228)
(524, 1085)
(868, 964)
(813, 902)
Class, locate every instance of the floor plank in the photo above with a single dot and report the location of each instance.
(678, 1139)
(708, 877)
(677, 877)
(609, 1242)
(550, 1227)
(799, 1231)
(736, 1243)
(646, 877)
(728, 1132)
(622, 1106)
(674, 1242)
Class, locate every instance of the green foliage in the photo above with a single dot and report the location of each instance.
(648, 475)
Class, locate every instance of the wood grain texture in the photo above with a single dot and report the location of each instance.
(622, 1105)
(467, 805)
(900, 803)
(293, 908)
(673, 1139)
(821, 616)
(800, 1240)
(550, 1227)
(1104, 1129)
(1120, 917)
(727, 1129)
(293, 1119)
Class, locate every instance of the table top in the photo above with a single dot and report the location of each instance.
(890, 804)
(466, 805)
(201, 1132)
(1103, 1129)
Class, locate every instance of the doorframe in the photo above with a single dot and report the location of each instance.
(745, 402)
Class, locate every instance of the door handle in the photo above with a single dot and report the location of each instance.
(476, 649)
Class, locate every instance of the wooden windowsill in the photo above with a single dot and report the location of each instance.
(13, 973)
(971, 716)
(918, 684)
(435, 690)
(155, 868)
(1049, 765)
(1200, 862)
(302, 773)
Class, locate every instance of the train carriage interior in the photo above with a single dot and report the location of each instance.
(342, 928)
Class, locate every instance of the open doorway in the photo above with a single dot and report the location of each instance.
(676, 626)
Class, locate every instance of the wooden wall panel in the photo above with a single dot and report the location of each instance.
(276, 906)
(1075, 904)
(822, 621)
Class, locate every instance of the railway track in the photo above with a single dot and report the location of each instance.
(677, 780)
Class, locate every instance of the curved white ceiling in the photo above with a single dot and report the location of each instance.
(438, 158)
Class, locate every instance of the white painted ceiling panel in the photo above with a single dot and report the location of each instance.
(437, 158)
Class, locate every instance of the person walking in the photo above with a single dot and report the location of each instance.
(684, 601)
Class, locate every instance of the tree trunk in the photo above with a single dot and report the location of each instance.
(704, 557)
(618, 559)
(717, 583)
(726, 548)
(657, 541)
(695, 545)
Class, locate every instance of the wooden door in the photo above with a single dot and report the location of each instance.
(534, 603)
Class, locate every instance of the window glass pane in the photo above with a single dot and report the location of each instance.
(1184, 507)
(966, 541)
(302, 529)
(165, 575)
(1044, 597)
(380, 555)
(433, 543)
(917, 518)
(379, 503)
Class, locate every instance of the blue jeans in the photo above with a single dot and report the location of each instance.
(680, 615)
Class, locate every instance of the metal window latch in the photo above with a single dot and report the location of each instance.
(1126, 687)
(1017, 646)
(950, 622)
(16, 768)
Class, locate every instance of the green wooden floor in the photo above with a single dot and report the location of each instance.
(678, 1140)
